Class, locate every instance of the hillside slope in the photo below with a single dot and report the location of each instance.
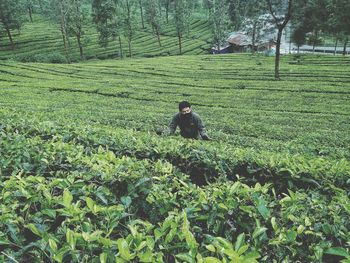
(41, 38)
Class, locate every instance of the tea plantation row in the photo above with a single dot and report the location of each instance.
(85, 177)
(307, 112)
(71, 193)
(48, 42)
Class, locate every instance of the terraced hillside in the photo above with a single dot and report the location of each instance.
(46, 38)
(85, 177)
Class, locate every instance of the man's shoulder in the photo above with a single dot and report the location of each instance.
(195, 115)
(176, 115)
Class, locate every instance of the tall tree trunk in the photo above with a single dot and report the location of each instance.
(30, 12)
(253, 36)
(141, 10)
(290, 41)
(81, 50)
(335, 46)
(10, 38)
(298, 49)
(64, 34)
(65, 44)
(120, 47)
(167, 11)
(158, 36)
(129, 42)
(280, 27)
(278, 54)
(345, 44)
(180, 44)
(314, 43)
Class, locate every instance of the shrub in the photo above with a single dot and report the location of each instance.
(54, 57)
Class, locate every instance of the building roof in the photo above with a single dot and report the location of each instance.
(242, 39)
(239, 39)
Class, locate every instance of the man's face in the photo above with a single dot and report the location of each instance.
(186, 110)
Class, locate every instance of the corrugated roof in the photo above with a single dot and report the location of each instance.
(239, 39)
(242, 39)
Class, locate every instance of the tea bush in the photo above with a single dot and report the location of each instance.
(84, 177)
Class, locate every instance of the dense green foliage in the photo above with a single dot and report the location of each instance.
(85, 178)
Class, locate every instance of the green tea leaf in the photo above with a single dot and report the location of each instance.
(4, 242)
(211, 248)
(146, 256)
(67, 198)
(211, 260)
(259, 231)
(243, 249)
(50, 212)
(103, 257)
(338, 251)
(252, 255)
(225, 243)
(185, 257)
(263, 209)
(291, 235)
(70, 237)
(300, 229)
(90, 203)
(34, 229)
(274, 224)
(53, 244)
(124, 250)
(240, 241)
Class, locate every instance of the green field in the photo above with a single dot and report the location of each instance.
(85, 177)
(42, 39)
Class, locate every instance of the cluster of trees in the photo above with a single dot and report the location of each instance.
(116, 20)
(69, 15)
(313, 17)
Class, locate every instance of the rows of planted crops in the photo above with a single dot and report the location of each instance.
(84, 177)
(48, 40)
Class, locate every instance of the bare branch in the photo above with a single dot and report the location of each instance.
(288, 14)
(269, 4)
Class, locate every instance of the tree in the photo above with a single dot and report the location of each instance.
(314, 19)
(11, 17)
(182, 17)
(108, 20)
(153, 17)
(128, 7)
(30, 7)
(280, 24)
(299, 37)
(59, 12)
(236, 11)
(42, 5)
(76, 19)
(254, 12)
(179, 21)
(167, 5)
(141, 12)
(339, 20)
(218, 20)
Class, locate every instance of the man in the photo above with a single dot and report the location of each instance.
(190, 123)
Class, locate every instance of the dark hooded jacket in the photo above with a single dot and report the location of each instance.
(191, 125)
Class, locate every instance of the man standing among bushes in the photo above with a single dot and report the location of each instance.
(191, 125)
